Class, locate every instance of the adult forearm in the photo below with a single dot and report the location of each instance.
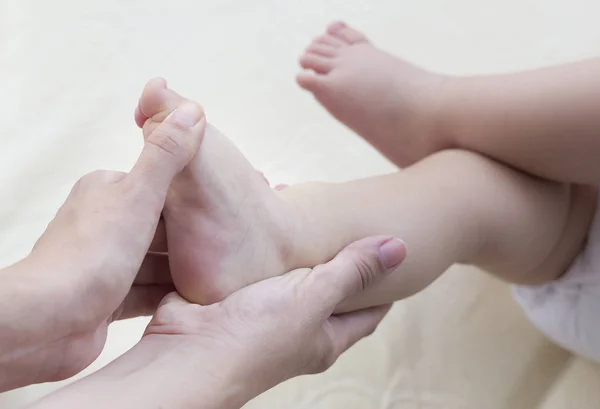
(37, 324)
(544, 122)
(25, 327)
(157, 373)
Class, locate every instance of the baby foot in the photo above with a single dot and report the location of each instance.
(226, 228)
(387, 101)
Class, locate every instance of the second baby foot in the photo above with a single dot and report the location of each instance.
(226, 228)
(386, 100)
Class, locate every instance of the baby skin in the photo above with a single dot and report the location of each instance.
(544, 121)
(377, 95)
(223, 221)
(226, 228)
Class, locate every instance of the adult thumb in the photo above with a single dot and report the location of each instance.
(353, 270)
(169, 148)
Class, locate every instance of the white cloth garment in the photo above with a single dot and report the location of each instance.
(567, 310)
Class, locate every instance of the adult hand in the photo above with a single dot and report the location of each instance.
(79, 276)
(278, 328)
(222, 355)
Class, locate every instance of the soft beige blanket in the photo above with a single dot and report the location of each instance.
(70, 75)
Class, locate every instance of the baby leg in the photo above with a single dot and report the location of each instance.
(227, 229)
(453, 206)
(543, 122)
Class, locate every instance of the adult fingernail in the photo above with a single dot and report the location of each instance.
(187, 115)
(392, 253)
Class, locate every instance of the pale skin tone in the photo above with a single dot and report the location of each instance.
(222, 355)
(544, 122)
(91, 266)
(519, 227)
(100, 259)
(221, 215)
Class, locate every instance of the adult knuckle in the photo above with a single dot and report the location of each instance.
(113, 176)
(166, 139)
(81, 184)
(366, 272)
(77, 185)
(100, 176)
(88, 178)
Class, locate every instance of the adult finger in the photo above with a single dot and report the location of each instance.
(353, 270)
(169, 148)
(347, 329)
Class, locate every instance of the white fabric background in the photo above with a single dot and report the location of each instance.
(71, 73)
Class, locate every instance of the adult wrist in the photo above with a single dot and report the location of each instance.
(183, 373)
(26, 327)
(38, 325)
(157, 372)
